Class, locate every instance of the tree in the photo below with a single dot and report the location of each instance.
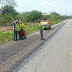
(8, 2)
(8, 14)
(34, 15)
(0, 16)
(8, 9)
(26, 16)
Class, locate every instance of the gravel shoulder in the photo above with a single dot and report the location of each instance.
(14, 52)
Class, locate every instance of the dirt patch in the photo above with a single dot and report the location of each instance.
(2, 29)
(9, 28)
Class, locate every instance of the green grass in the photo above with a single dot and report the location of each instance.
(7, 36)
(30, 28)
(55, 22)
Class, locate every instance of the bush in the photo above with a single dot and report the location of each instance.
(6, 36)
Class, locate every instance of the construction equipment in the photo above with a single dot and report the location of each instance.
(47, 24)
(22, 34)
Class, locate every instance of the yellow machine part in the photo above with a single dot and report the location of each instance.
(46, 21)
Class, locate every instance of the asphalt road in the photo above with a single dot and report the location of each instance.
(54, 55)
(13, 53)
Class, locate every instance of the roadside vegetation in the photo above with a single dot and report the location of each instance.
(8, 15)
(8, 35)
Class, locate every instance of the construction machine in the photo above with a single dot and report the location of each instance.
(46, 22)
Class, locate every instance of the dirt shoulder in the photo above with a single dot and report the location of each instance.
(14, 52)
(10, 28)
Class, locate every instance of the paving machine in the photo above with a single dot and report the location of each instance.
(47, 24)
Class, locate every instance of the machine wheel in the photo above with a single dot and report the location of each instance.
(49, 28)
(24, 37)
(20, 36)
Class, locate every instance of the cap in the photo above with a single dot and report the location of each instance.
(16, 20)
(20, 21)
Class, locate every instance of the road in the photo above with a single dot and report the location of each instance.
(53, 55)
(13, 53)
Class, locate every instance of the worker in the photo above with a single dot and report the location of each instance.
(45, 18)
(22, 26)
(41, 27)
(15, 28)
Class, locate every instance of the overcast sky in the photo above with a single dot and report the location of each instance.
(63, 7)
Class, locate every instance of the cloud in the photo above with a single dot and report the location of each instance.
(51, 9)
(48, 3)
(0, 5)
(20, 7)
(20, 3)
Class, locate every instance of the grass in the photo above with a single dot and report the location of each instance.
(30, 28)
(55, 22)
(8, 35)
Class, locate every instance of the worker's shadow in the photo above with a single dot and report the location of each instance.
(48, 29)
(22, 39)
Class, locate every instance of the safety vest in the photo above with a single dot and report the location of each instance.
(22, 26)
(41, 26)
(15, 27)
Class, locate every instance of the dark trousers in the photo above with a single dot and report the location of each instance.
(41, 32)
(21, 29)
(15, 35)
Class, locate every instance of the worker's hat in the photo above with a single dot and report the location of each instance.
(20, 21)
(16, 20)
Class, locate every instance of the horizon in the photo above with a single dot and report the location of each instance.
(62, 7)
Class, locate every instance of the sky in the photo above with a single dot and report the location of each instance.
(63, 7)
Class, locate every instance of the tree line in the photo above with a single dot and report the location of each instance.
(8, 14)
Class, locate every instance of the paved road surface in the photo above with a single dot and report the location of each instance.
(54, 55)
(14, 52)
